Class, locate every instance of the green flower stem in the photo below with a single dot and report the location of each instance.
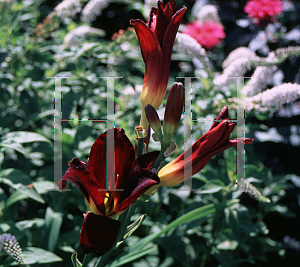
(161, 156)
(124, 219)
(141, 146)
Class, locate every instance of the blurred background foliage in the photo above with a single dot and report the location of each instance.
(46, 223)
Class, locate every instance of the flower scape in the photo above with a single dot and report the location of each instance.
(135, 176)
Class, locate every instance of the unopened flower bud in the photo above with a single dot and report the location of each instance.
(173, 109)
(153, 119)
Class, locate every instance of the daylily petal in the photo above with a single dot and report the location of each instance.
(223, 115)
(169, 37)
(98, 233)
(169, 10)
(123, 165)
(77, 174)
(146, 161)
(161, 23)
(152, 19)
(141, 181)
(150, 47)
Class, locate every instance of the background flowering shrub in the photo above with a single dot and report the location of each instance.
(90, 39)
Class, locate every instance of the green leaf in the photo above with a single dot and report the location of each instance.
(23, 192)
(22, 225)
(13, 177)
(75, 261)
(43, 187)
(17, 147)
(33, 255)
(131, 257)
(230, 157)
(22, 137)
(295, 179)
(228, 245)
(67, 249)
(1, 158)
(52, 229)
(188, 217)
(212, 186)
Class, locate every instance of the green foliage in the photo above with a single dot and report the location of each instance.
(212, 225)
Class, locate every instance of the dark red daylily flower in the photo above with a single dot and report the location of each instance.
(132, 179)
(156, 39)
(211, 143)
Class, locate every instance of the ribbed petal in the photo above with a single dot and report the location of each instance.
(199, 165)
(161, 23)
(141, 181)
(77, 174)
(149, 44)
(169, 37)
(124, 158)
(146, 161)
(169, 10)
(225, 136)
(153, 58)
(86, 182)
(98, 233)
(222, 116)
(152, 19)
(203, 150)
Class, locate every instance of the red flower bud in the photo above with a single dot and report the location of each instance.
(153, 119)
(173, 109)
(211, 143)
